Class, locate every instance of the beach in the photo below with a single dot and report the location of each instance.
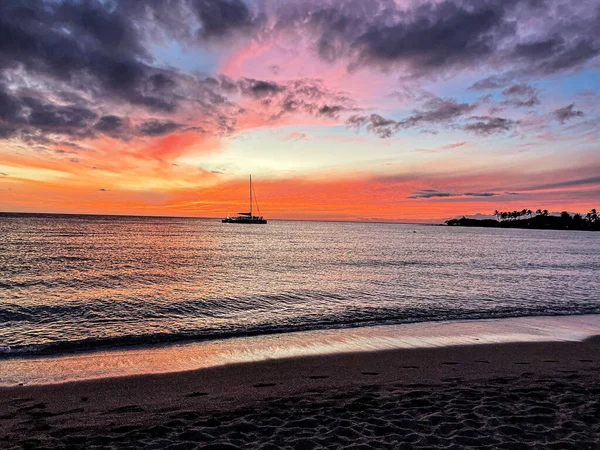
(139, 332)
(507, 395)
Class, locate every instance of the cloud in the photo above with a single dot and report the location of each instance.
(220, 18)
(375, 123)
(434, 111)
(432, 193)
(479, 194)
(492, 82)
(567, 113)
(108, 123)
(568, 183)
(485, 126)
(155, 127)
(64, 118)
(88, 69)
(82, 43)
(259, 88)
(430, 38)
(455, 145)
(296, 136)
(521, 95)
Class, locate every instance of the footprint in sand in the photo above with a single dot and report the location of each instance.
(452, 380)
(196, 394)
(21, 401)
(262, 385)
(127, 409)
(370, 373)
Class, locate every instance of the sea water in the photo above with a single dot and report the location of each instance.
(81, 283)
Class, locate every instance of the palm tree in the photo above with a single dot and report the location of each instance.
(496, 214)
(529, 213)
(539, 211)
(545, 213)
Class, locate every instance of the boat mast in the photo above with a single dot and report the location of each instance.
(250, 195)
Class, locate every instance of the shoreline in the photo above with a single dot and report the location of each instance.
(201, 402)
(181, 357)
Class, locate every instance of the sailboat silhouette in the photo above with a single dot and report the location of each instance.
(247, 217)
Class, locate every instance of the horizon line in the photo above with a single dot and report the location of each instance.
(391, 221)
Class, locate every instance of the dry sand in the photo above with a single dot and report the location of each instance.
(509, 396)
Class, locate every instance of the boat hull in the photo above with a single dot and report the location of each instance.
(251, 221)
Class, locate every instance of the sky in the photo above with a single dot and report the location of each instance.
(381, 110)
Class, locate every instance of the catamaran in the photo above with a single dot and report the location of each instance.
(247, 217)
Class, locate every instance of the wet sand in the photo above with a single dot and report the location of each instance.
(510, 395)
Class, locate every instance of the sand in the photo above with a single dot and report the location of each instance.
(508, 396)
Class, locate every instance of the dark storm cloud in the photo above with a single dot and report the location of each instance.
(432, 37)
(485, 126)
(82, 53)
(435, 36)
(29, 116)
(109, 123)
(155, 127)
(48, 115)
(77, 41)
(567, 113)
(222, 17)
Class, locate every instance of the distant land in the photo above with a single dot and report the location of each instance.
(539, 219)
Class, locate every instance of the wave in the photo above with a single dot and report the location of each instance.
(151, 339)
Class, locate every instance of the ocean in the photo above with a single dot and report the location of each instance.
(80, 283)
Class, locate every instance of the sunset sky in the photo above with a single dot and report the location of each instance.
(345, 110)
